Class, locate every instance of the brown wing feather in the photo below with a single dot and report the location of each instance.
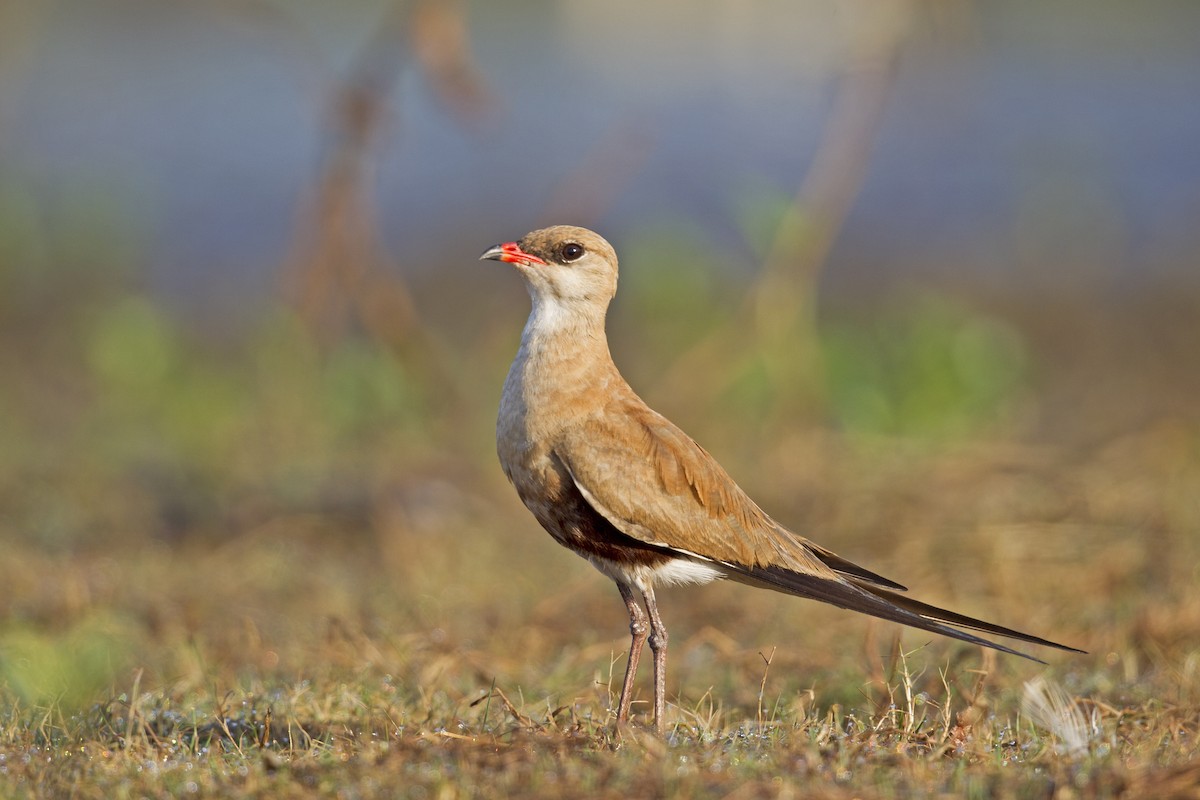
(654, 483)
(685, 465)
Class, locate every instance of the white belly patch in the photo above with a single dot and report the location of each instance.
(675, 571)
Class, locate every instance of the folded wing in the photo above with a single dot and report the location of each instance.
(655, 484)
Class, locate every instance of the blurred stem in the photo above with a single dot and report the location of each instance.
(342, 269)
(343, 275)
(780, 306)
(20, 34)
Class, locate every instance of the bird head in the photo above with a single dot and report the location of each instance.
(571, 268)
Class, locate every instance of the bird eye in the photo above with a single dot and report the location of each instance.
(571, 251)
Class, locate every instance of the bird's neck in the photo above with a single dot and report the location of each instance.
(563, 356)
(560, 330)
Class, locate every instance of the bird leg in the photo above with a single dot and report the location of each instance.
(658, 646)
(638, 630)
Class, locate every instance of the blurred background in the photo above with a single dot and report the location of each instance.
(922, 273)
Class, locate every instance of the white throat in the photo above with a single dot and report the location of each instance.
(553, 316)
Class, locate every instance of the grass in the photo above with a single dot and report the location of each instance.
(279, 568)
(444, 647)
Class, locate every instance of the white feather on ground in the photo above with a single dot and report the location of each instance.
(1051, 708)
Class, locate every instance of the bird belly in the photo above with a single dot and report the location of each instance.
(669, 571)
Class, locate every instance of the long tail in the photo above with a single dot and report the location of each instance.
(866, 598)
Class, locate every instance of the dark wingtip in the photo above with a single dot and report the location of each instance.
(878, 602)
(843, 566)
(946, 616)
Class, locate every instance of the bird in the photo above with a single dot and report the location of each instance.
(618, 483)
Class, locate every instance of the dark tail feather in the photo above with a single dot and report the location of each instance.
(953, 618)
(883, 604)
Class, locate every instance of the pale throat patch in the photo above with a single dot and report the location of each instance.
(550, 314)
